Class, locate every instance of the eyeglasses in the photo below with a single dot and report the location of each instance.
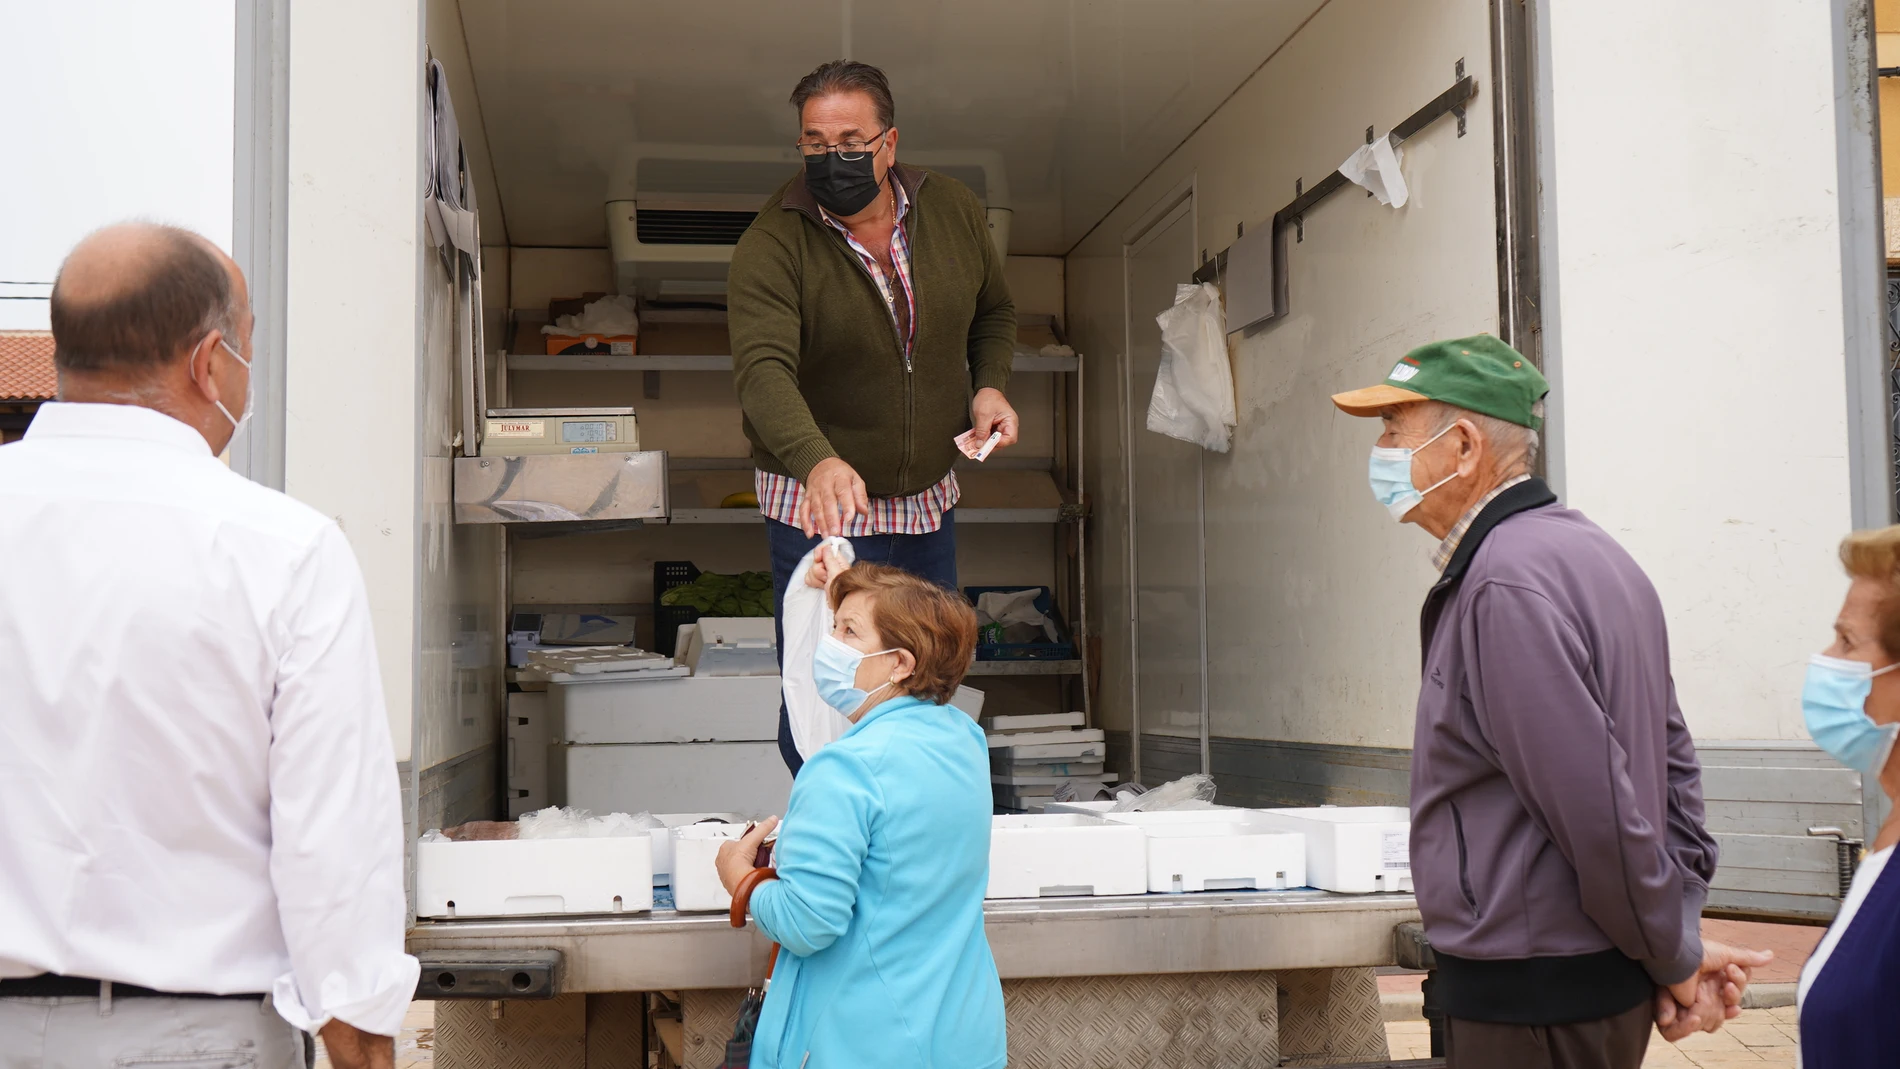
(846, 150)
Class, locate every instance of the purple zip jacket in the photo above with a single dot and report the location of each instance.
(1557, 823)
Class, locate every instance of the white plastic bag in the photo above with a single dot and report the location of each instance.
(1375, 168)
(1011, 607)
(806, 616)
(1194, 388)
(1188, 792)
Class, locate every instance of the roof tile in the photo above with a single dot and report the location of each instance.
(26, 366)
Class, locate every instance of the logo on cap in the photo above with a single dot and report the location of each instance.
(1402, 372)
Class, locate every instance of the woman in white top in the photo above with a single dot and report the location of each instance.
(1851, 702)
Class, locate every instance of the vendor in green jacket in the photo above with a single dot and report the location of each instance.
(870, 327)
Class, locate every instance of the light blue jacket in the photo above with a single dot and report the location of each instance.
(882, 863)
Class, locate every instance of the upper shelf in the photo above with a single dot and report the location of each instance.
(697, 341)
(710, 362)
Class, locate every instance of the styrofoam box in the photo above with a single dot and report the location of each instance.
(1350, 849)
(663, 838)
(1043, 855)
(706, 777)
(1225, 855)
(527, 753)
(686, 709)
(696, 883)
(501, 878)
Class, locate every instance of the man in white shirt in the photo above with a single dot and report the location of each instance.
(201, 845)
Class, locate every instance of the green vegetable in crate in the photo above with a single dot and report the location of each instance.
(745, 594)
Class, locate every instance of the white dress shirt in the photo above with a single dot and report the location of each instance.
(197, 788)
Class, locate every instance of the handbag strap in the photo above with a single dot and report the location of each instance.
(742, 899)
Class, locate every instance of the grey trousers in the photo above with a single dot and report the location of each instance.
(1610, 1043)
(147, 1033)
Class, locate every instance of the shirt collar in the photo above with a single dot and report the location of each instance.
(68, 419)
(903, 204)
(1449, 546)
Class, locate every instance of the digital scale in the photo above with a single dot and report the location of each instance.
(522, 432)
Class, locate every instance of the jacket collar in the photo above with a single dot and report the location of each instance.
(1533, 493)
(1525, 496)
(797, 198)
(892, 705)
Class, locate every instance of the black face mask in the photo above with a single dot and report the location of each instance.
(843, 187)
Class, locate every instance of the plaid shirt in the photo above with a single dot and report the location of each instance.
(779, 495)
(1457, 533)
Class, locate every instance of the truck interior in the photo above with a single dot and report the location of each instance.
(1248, 613)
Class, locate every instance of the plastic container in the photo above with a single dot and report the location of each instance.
(531, 877)
(1351, 849)
(696, 885)
(1047, 855)
(1025, 651)
(663, 838)
(667, 619)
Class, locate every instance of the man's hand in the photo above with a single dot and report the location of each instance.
(827, 567)
(740, 856)
(349, 1047)
(990, 413)
(1702, 1002)
(834, 495)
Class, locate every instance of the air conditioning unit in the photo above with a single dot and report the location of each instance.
(675, 212)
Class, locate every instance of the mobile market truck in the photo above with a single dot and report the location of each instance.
(1673, 209)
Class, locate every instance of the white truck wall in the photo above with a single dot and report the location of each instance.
(369, 424)
(351, 328)
(1695, 262)
(1313, 592)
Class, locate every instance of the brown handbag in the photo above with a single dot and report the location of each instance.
(739, 1048)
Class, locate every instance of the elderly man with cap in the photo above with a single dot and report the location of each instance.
(1558, 845)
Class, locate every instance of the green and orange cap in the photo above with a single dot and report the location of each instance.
(1478, 374)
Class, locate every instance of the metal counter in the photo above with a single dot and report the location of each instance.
(1030, 938)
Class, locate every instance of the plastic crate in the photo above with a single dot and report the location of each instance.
(1025, 651)
(667, 619)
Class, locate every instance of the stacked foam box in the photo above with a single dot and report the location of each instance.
(1032, 755)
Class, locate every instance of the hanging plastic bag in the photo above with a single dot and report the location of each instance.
(1194, 388)
(806, 617)
(1376, 169)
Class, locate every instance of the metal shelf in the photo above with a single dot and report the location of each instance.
(721, 362)
(1025, 668)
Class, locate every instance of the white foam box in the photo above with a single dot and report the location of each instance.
(1045, 855)
(1350, 849)
(696, 885)
(527, 753)
(1217, 850)
(505, 878)
(663, 837)
(706, 777)
(686, 709)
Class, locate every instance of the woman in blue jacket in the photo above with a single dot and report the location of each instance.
(884, 856)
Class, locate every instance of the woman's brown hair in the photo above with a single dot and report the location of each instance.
(936, 625)
(1875, 555)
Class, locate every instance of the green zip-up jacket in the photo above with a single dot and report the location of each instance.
(819, 365)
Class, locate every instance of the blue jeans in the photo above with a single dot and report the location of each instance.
(932, 556)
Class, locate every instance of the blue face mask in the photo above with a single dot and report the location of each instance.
(1390, 473)
(1834, 704)
(834, 670)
